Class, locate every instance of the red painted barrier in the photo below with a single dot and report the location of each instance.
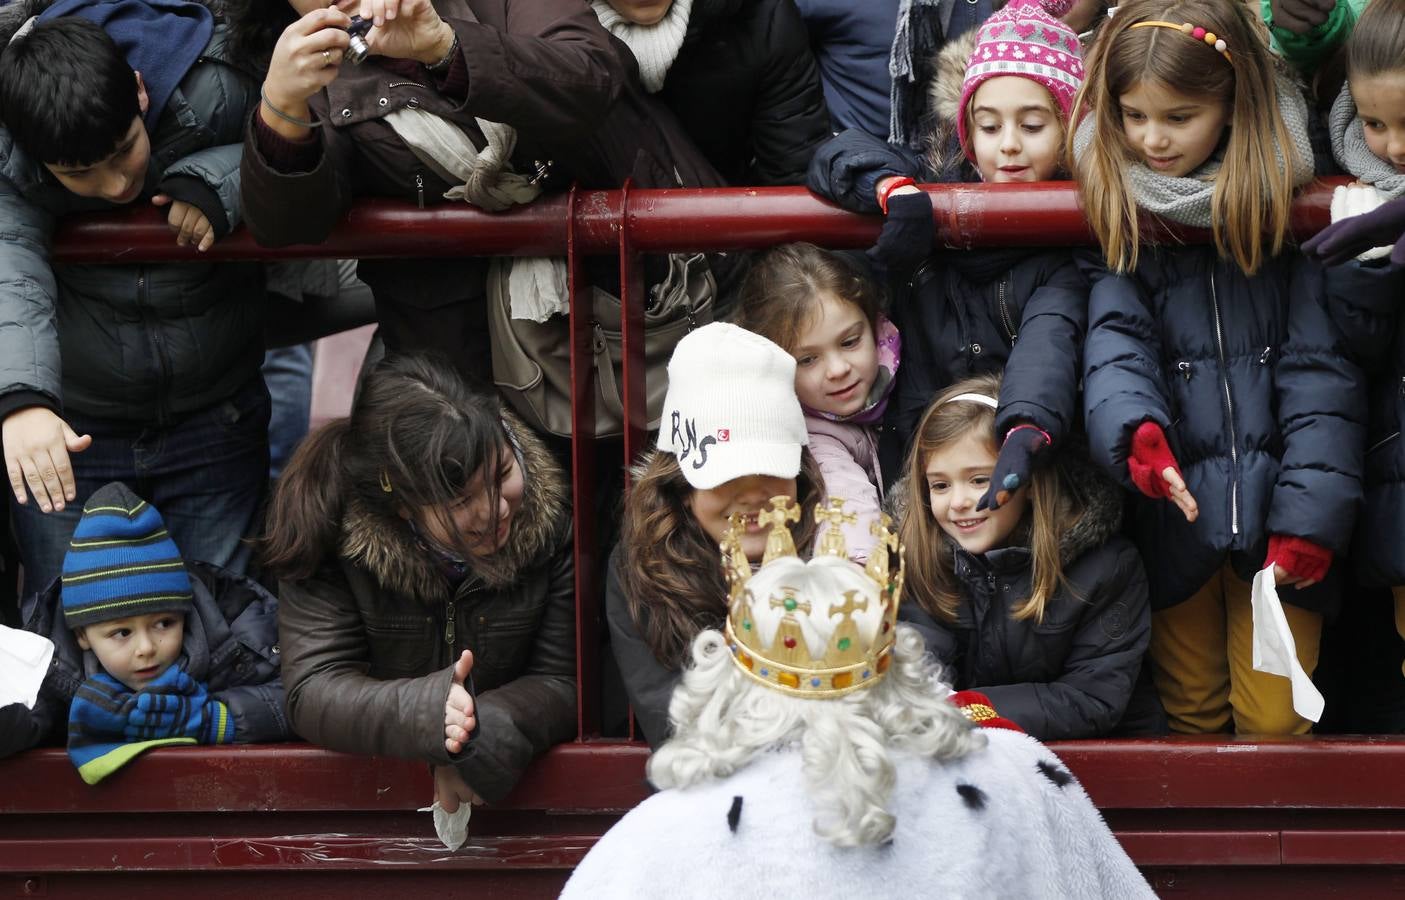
(1204, 817)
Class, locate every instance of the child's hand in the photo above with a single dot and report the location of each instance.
(1357, 199)
(37, 443)
(459, 719)
(1340, 241)
(1155, 472)
(188, 222)
(450, 790)
(1297, 561)
(1300, 16)
(1014, 465)
(407, 29)
(908, 234)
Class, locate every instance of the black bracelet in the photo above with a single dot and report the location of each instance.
(443, 64)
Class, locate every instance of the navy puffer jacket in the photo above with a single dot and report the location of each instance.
(972, 312)
(1259, 395)
(1365, 300)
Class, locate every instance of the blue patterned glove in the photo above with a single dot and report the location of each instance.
(99, 711)
(176, 705)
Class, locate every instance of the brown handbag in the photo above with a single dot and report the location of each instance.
(532, 362)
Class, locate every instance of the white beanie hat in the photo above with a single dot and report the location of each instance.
(731, 408)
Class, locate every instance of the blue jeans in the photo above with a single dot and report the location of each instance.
(288, 373)
(206, 475)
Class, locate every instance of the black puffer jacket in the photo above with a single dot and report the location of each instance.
(747, 90)
(978, 311)
(1259, 394)
(1365, 301)
(1078, 673)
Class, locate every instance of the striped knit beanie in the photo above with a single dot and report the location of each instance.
(121, 562)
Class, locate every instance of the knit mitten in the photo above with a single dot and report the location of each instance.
(908, 234)
(1299, 558)
(977, 707)
(1151, 456)
(176, 705)
(1021, 452)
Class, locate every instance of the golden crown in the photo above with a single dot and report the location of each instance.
(820, 629)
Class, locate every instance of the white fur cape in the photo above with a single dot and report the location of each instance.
(1006, 821)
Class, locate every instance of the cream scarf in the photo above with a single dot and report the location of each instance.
(656, 46)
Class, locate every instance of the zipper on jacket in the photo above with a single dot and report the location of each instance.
(450, 625)
(1229, 409)
(419, 191)
(1184, 368)
(153, 330)
(1005, 318)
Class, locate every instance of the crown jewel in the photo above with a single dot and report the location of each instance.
(817, 629)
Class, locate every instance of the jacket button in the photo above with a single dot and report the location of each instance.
(346, 113)
(976, 349)
(382, 101)
(276, 651)
(414, 103)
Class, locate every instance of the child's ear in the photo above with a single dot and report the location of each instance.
(142, 100)
(82, 635)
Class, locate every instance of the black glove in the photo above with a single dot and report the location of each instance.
(1300, 16)
(1018, 457)
(1340, 242)
(907, 236)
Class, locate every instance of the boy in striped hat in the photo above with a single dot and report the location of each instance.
(149, 648)
(125, 595)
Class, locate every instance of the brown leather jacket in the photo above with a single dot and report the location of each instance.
(368, 643)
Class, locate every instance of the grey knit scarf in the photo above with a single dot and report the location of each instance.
(1350, 150)
(1186, 199)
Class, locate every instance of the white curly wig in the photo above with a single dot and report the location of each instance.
(722, 719)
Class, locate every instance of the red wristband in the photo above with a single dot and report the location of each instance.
(1048, 440)
(893, 185)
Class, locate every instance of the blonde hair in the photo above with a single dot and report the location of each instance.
(1253, 189)
(931, 564)
(722, 719)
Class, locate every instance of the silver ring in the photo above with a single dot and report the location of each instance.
(326, 57)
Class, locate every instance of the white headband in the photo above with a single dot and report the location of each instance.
(24, 29)
(974, 398)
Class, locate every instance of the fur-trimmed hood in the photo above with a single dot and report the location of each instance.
(942, 148)
(387, 549)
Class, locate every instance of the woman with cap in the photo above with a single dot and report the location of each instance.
(731, 438)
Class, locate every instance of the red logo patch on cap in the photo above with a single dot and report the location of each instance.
(724, 435)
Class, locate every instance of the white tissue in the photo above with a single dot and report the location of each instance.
(452, 827)
(24, 660)
(1357, 200)
(1275, 651)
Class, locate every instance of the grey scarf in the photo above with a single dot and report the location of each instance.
(1350, 150)
(656, 46)
(1186, 199)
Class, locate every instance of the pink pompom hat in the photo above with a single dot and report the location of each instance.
(1025, 39)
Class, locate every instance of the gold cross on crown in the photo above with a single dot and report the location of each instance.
(778, 540)
(833, 516)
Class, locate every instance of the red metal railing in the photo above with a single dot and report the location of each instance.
(626, 223)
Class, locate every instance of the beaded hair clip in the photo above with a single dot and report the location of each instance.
(1192, 31)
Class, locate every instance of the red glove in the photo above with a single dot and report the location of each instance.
(1151, 456)
(1299, 558)
(977, 707)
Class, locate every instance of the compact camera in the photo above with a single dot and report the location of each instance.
(357, 50)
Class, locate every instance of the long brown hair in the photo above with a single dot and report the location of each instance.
(415, 438)
(1254, 187)
(781, 294)
(670, 570)
(1377, 43)
(930, 560)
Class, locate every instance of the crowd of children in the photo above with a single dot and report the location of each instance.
(1090, 454)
